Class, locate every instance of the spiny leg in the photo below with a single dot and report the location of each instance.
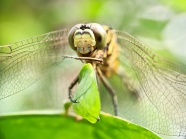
(74, 82)
(111, 91)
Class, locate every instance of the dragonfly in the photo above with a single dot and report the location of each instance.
(158, 84)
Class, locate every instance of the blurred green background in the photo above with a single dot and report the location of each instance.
(158, 23)
(161, 24)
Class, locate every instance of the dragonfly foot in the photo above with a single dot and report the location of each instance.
(73, 101)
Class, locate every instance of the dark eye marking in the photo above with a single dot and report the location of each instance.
(83, 27)
(99, 38)
(78, 33)
(86, 33)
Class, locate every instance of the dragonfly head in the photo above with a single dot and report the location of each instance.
(85, 38)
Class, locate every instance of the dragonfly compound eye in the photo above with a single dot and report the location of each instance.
(71, 37)
(100, 35)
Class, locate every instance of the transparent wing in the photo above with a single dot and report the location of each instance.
(162, 94)
(24, 62)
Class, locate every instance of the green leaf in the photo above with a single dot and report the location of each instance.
(87, 95)
(58, 126)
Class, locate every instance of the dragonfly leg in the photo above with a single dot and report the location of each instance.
(99, 60)
(110, 90)
(74, 82)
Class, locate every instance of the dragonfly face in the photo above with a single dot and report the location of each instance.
(160, 83)
(85, 38)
